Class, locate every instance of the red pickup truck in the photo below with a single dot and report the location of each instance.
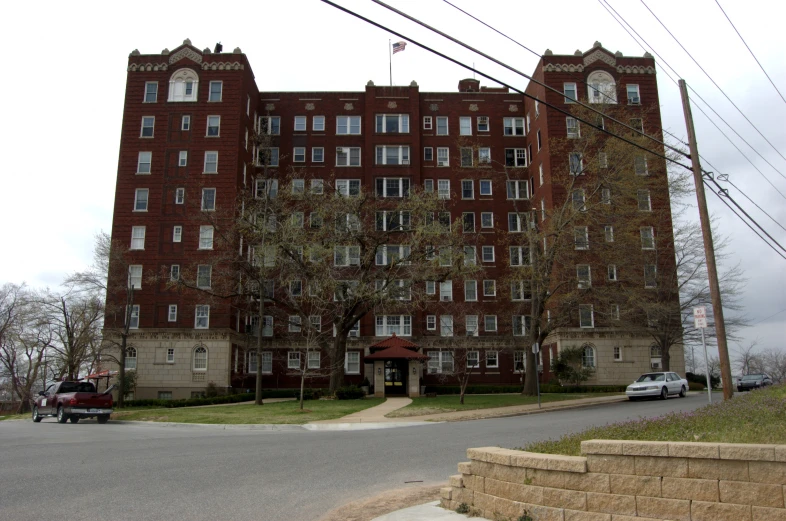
(73, 400)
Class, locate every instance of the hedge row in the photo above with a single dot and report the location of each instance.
(308, 394)
(546, 388)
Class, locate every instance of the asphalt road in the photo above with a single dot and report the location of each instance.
(150, 472)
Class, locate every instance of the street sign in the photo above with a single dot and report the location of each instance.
(700, 317)
(535, 348)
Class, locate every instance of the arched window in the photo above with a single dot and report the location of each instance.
(183, 85)
(130, 358)
(601, 88)
(588, 357)
(200, 358)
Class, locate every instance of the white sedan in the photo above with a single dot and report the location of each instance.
(657, 385)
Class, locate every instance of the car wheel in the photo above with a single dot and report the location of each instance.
(74, 419)
(62, 417)
(36, 417)
(102, 418)
(682, 392)
(664, 393)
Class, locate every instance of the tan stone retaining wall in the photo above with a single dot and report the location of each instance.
(625, 481)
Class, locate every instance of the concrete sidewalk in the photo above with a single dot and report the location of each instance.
(371, 418)
(428, 512)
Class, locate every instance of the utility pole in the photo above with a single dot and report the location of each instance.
(709, 248)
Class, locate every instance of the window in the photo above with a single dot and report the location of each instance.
(576, 163)
(346, 256)
(608, 232)
(440, 362)
(293, 360)
(180, 195)
(603, 160)
(211, 163)
(140, 199)
(470, 290)
(317, 186)
(174, 272)
(137, 238)
(392, 187)
(318, 123)
(428, 153)
(465, 126)
(569, 89)
(581, 238)
(650, 276)
(391, 254)
(431, 287)
(148, 126)
(266, 188)
(446, 325)
(615, 312)
(588, 356)
(182, 158)
(573, 128)
(348, 187)
(601, 88)
(471, 326)
(518, 189)
(442, 126)
(177, 233)
(640, 165)
(185, 123)
(483, 123)
(428, 186)
(617, 354)
(487, 253)
(294, 324)
(492, 359)
(392, 155)
(446, 291)
(386, 325)
(526, 122)
(202, 317)
(521, 324)
(347, 125)
(213, 126)
(347, 156)
(485, 187)
(131, 356)
(584, 276)
(143, 162)
(183, 86)
(170, 352)
(206, 237)
(468, 222)
(431, 322)
(647, 238)
(633, 94)
(252, 361)
(643, 196)
(586, 317)
(268, 156)
(516, 157)
(393, 221)
(517, 222)
(520, 256)
(427, 123)
(605, 196)
(489, 288)
(135, 276)
(578, 200)
(313, 360)
(484, 156)
(300, 123)
(520, 290)
(473, 359)
(317, 155)
(518, 361)
(299, 155)
(270, 125)
(172, 314)
(353, 362)
(151, 91)
(638, 126)
(204, 272)
(540, 141)
(443, 158)
(215, 91)
(490, 323)
(470, 256)
(612, 272)
(513, 126)
(208, 199)
(467, 159)
(298, 186)
(393, 123)
(267, 325)
(316, 323)
(542, 210)
(486, 220)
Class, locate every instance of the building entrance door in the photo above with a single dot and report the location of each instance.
(395, 377)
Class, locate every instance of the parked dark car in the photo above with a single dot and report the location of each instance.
(753, 381)
(73, 401)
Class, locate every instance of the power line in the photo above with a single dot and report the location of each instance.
(750, 51)
(769, 317)
(713, 81)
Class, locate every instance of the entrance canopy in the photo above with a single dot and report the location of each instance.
(396, 353)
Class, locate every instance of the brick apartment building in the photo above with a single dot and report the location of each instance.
(187, 146)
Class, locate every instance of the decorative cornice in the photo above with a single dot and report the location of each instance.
(635, 69)
(186, 52)
(600, 55)
(563, 67)
(147, 67)
(223, 66)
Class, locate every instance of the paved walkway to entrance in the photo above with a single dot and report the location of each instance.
(374, 414)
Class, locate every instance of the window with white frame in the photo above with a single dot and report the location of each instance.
(516, 157)
(581, 238)
(182, 159)
(446, 325)
(569, 89)
(517, 222)
(647, 237)
(140, 199)
(605, 195)
(586, 316)
(518, 189)
(588, 356)
(578, 199)
(617, 354)
(294, 324)
(346, 256)
(208, 199)
(180, 195)
(392, 155)
(443, 156)
(471, 325)
(428, 186)
(483, 124)
(486, 219)
(431, 287)
(428, 123)
(470, 290)
(392, 254)
(428, 153)
(467, 156)
(206, 237)
(513, 126)
(143, 162)
(268, 156)
(440, 362)
(484, 155)
(174, 272)
(317, 186)
(489, 288)
(130, 358)
(473, 360)
(484, 187)
(393, 221)
(645, 204)
(270, 125)
(264, 188)
(520, 256)
(300, 123)
(601, 88)
(137, 238)
(386, 325)
(633, 94)
(521, 324)
(293, 360)
(468, 222)
(299, 155)
(446, 290)
(315, 322)
(650, 276)
(392, 123)
(318, 155)
(470, 255)
(492, 359)
(216, 88)
(318, 123)
(170, 352)
(640, 165)
(211, 162)
(519, 361)
(353, 362)
(185, 123)
(574, 131)
(520, 290)
(490, 323)
(202, 317)
(348, 187)
(603, 160)
(148, 126)
(584, 276)
(540, 174)
(347, 125)
(135, 276)
(200, 359)
(540, 141)
(576, 163)
(347, 156)
(313, 360)
(267, 325)
(442, 126)
(133, 322)
(172, 313)
(431, 322)
(608, 233)
(204, 273)
(612, 272)
(614, 313)
(213, 126)
(177, 233)
(465, 126)
(392, 187)
(151, 91)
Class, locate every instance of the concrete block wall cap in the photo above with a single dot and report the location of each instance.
(601, 447)
(744, 451)
(780, 453)
(532, 460)
(568, 463)
(465, 467)
(687, 449)
(645, 448)
(617, 517)
(480, 453)
(456, 481)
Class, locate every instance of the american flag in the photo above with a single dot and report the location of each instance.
(399, 46)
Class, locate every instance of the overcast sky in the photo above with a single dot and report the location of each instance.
(65, 76)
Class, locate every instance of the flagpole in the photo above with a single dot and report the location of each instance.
(390, 61)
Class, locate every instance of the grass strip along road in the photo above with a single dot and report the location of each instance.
(450, 403)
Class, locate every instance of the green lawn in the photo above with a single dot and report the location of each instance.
(754, 417)
(281, 412)
(25, 416)
(450, 403)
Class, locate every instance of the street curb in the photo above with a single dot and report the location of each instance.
(364, 426)
(220, 426)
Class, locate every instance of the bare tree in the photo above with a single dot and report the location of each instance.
(748, 360)
(774, 364)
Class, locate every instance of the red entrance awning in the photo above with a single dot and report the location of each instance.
(396, 353)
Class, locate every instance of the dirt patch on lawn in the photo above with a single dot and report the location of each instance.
(381, 504)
